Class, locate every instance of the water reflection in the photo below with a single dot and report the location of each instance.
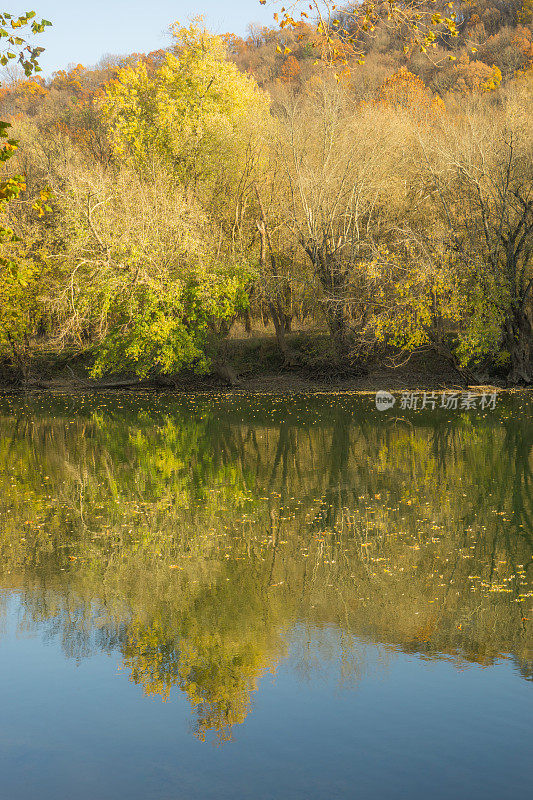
(198, 537)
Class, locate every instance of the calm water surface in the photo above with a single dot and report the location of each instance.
(286, 598)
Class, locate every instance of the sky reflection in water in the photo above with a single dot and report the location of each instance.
(341, 599)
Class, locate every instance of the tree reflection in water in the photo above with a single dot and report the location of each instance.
(200, 537)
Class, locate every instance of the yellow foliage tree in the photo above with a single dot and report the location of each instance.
(197, 112)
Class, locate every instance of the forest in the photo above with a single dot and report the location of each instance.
(352, 185)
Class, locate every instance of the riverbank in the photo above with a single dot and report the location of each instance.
(253, 366)
(268, 382)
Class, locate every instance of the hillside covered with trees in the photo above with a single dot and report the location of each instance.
(356, 181)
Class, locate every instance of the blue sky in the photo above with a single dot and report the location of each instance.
(83, 32)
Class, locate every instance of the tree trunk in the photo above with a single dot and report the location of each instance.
(335, 313)
(442, 349)
(519, 341)
(333, 279)
(279, 318)
(225, 371)
(339, 331)
(280, 324)
(20, 358)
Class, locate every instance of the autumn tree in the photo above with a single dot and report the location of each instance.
(139, 276)
(196, 113)
(17, 274)
(290, 70)
(345, 189)
(488, 207)
(405, 90)
(469, 291)
(153, 259)
(344, 33)
(476, 76)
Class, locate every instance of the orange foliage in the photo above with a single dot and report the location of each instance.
(22, 96)
(290, 70)
(151, 60)
(522, 40)
(408, 91)
(70, 80)
(236, 46)
(34, 87)
(476, 75)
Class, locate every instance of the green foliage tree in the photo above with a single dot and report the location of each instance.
(18, 288)
(140, 276)
(157, 273)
